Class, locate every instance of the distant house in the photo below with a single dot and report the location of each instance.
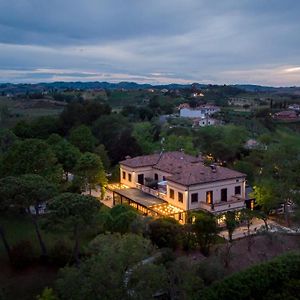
(295, 107)
(252, 144)
(197, 95)
(164, 91)
(205, 121)
(239, 102)
(286, 115)
(183, 105)
(198, 112)
(173, 183)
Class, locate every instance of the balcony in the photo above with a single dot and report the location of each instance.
(235, 203)
(148, 190)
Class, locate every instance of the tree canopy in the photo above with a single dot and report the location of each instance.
(102, 276)
(82, 138)
(31, 156)
(90, 168)
(73, 211)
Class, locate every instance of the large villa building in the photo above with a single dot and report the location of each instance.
(173, 183)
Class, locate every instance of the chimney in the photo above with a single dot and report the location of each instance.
(213, 168)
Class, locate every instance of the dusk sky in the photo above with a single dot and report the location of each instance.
(154, 41)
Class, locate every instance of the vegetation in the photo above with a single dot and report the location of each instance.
(90, 170)
(101, 277)
(276, 278)
(49, 160)
(206, 230)
(73, 211)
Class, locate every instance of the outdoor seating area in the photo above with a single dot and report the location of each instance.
(146, 203)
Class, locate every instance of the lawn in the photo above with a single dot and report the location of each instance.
(25, 284)
(20, 228)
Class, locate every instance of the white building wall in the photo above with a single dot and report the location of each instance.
(198, 113)
(201, 190)
(161, 175)
(216, 187)
(147, 171)
(207, 122)
(192, 113)
(177, 188)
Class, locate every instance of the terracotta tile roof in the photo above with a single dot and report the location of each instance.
(165, 161)
(141, 161)
(198, 174)
(185, 169)
(172, 162)
(286, 114)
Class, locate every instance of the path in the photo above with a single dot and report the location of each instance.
(256, 226)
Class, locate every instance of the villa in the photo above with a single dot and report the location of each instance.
(174, 183)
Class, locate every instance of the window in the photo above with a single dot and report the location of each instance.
(237, 190)
(224, 195)
(141, 178)
(129, 177)
(156, 176)
(180, 197)
(171, 193)
(194, 197)
(209, 197)
(124, 175)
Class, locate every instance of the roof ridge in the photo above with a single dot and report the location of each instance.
(160, 156)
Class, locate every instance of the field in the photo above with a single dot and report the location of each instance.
(12, 111)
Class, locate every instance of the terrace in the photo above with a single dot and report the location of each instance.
(235, 203)
(147, 204)
(154, 192)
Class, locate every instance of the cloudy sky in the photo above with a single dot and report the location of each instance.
(154, 41)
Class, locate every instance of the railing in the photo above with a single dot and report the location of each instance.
(235, 203)
(148, 190)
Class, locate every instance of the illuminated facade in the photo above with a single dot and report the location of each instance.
(177, 183)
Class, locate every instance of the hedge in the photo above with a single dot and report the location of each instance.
(256, 281)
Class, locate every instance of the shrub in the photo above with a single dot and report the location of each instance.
(206, 230)
(47, 294)
(255, 282)
(61, 253)
(123, 221)
(188, 238)
(22, 254)
(167, 256)
(120, 209)
(165, 232)
(211, 270)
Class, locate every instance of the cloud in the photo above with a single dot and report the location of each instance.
(171, 40)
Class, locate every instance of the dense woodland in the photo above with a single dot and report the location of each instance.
(99, 250)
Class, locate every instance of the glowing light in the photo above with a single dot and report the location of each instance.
(292, 70)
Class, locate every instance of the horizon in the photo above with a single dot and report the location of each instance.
(156, 43)
(147, 83)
